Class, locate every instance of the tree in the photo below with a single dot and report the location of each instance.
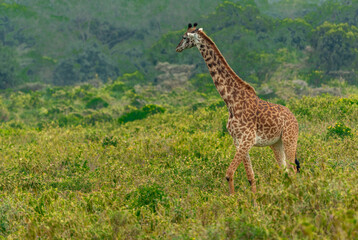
(86, 64)
(293, 32)
(8, 67)
(335, 47)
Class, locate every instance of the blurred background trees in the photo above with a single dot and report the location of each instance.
(73, 42)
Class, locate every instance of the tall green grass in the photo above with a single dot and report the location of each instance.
(163, 177)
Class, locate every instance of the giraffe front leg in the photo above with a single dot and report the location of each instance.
(231, 170)
(250, 176)
(250, 173)
(242, 154)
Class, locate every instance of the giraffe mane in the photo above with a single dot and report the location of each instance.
(223, 60)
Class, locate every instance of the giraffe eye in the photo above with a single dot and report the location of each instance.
(184, 37)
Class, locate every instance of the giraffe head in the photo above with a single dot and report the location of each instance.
(189, 38)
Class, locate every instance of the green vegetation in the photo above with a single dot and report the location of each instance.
(339, 130)
(125, 172)
(72, 43)
(99, 141)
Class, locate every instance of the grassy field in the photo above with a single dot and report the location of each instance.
(163, 177)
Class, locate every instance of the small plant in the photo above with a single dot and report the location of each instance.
(72, 119)
(109, 141)
(142, 113)
(339, 130)
(315, 77)
(117, 86)
(97, 103)
(149, 196)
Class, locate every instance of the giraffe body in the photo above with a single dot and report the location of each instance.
(252, 121)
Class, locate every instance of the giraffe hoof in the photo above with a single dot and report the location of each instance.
(227, 178)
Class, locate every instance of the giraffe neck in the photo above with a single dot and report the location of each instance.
(229, 85)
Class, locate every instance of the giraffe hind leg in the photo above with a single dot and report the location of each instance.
(289, 140)
(279, 153)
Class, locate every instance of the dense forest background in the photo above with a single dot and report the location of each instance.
(72, 42)
(83, 62)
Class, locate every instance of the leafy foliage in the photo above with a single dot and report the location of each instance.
(339, 130)
(145, 111)
(112, 158)
(87, 64)
(8, 67)
(149, 196)
(97, 103)
(335, 46)
(70, 43)
(163, 176)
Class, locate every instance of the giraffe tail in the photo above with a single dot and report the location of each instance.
(297, 164)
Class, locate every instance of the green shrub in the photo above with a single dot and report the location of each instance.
(142, 113)
(124, 225)
(216, 104)
(117, 87)
(97, 103)
(203, 83)
(149, 196)
(132, 79)
(4, 114)
(16, 124)
(240, 229)
(339, 130)
(109, 141)
(315, 78)
(70, 120)
(6, 213)
(94, 117)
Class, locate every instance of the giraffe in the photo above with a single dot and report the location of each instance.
(252, 121)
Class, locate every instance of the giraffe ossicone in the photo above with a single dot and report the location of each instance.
(252, 121)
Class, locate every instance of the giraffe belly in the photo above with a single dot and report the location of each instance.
(263, 142)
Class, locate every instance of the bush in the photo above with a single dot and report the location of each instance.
(116, 87)
(132, 79)
(109, 141)
(4, 114)
(70, 120)
(203, 83)
(97, 103)
(339, 130)
(142, 113)
(315, 78)
(149, 196)
(240, 229)
(94, 117)
(85, 64)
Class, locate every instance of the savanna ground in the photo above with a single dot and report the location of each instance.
(163, 177)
